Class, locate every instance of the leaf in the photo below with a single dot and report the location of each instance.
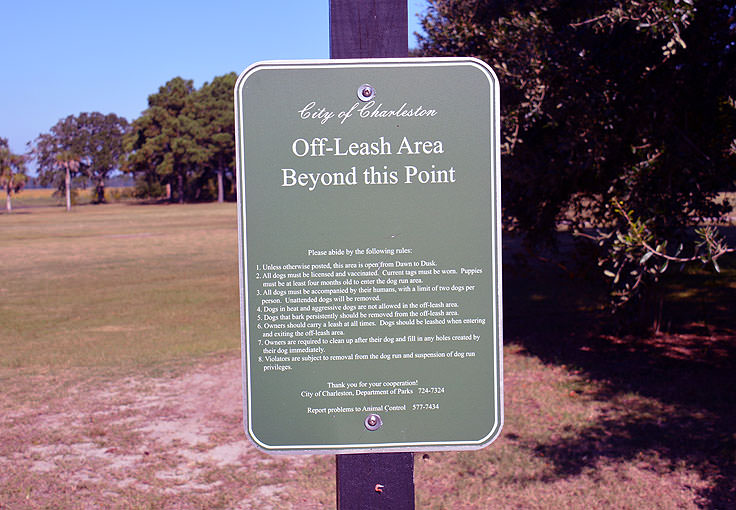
(646, 257)
(609, 273)
(715, 265)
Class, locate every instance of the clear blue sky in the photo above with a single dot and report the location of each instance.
(66, 57)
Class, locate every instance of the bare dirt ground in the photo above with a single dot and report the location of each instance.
(164, 442)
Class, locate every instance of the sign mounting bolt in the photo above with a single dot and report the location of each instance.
(373, 422)
(366, 92)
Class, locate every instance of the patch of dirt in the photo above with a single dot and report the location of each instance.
(130, 442)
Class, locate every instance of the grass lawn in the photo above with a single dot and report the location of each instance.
(117, 285)
(119, 361)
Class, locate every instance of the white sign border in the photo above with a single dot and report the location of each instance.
(496, 256)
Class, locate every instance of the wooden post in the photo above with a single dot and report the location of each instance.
(369, 29)
(372, 29)
(380, 481)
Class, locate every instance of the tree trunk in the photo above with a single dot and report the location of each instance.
(8, 204)
(220, 190)
(68, 186)
(180, 188)
(100, 190)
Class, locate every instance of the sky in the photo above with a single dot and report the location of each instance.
(62, 58)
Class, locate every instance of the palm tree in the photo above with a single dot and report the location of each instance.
(70, 164)
(12, 172)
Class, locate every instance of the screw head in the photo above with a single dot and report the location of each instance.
(366, 92)
(373, 422)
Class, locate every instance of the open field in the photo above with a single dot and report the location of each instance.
(117, 285)
(119, 361)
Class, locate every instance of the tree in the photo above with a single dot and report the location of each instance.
(58, 155)
(103, 147)
(12, 172)
(212, 107)
(615, 121)
(163, 144)
(68, 162)
(88, 145)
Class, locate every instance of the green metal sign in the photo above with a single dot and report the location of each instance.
(370, 265)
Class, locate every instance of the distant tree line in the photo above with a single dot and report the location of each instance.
(181, 148)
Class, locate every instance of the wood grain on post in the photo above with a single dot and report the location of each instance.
(369, 29)
(372, 29)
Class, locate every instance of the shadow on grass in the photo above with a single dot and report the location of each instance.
(672, 395)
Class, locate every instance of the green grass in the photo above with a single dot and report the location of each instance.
(117, 285)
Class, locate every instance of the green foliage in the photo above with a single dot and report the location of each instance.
(607, 107)
(88, 145)
(162, 140)
(148, 186)
(213, 109)
(119, 194)
(635, 254)
(12, 172)
(184, 140)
